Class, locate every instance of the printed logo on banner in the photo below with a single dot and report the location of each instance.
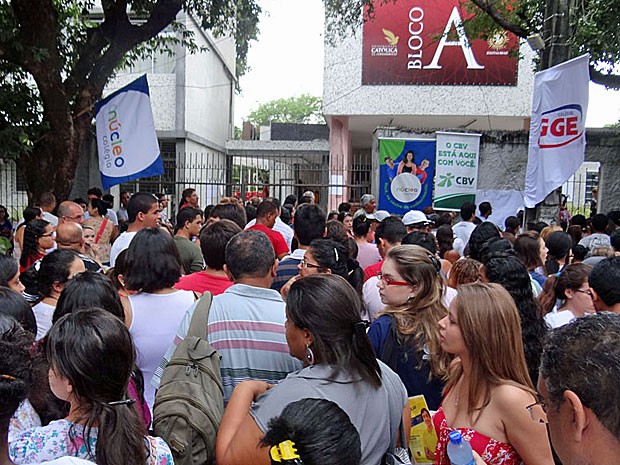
(560, 126)
(389, 50)
(406, 188)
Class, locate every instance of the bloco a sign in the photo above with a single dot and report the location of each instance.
(561, 126)
(126, 138)
(424, 42)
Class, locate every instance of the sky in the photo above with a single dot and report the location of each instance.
(287, 61)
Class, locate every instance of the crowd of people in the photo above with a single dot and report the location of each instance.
(324, 325)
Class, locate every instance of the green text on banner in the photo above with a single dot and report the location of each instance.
(456, 169)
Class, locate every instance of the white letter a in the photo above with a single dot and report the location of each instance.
(463, 42)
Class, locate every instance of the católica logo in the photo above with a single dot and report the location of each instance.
(406, 187)
(445, 180)
(560, 126)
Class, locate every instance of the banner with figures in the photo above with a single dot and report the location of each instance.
(456, 177)
(406, 170)
(126, 137)
(558, 127)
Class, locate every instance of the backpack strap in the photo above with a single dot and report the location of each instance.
(200, 318)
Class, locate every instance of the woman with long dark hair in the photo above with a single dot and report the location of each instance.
(9, 273)
(91, 356)
(325, 331)
(559, 246)
(29, 214)
(39, 237)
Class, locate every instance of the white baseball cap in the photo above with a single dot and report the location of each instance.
(415, 217)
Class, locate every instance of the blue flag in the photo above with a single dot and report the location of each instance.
(126, 138)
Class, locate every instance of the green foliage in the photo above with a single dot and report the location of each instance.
(303, 109)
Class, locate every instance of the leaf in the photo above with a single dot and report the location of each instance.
(390, 37)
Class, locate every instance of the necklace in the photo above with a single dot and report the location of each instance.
(459, 396)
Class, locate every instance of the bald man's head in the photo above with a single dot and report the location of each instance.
(69, 236)
(70, 212)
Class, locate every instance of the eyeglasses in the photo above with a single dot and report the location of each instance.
(538, 411)
(77, 217)
(585, 291)
(305, 264)
(50, 234)
(390, 281)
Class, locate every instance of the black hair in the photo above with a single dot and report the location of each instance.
(309, 223)
(423, 239)
(109, 198)
(250, 212)
(391, 230)
(559, 245)
(186, 193)
(511, 224)
(334, 256)
(579, 220)
(332, 215)
(343, 215)
(15, 366)
(229, 211)
(286, 215)
(344, 207)
(445, 239)
(600, 223)
(186, 214)
(80, 201)
(321, 431)
(14, 305)
(290, 199)
(6, 213)
(265, 208)
(495, 246)
(614, 239)
(580, 253)
(249, 254)
(86, 290)
(275, 201)
(511, 273)
(152, 262)
(32, 234)
(93, 350)
(55, 268)
(604, 279)
(304, 199)
(140, 202)
(8, 269)
(330, 309)
(481, 233)
(361, 226)
(101, 206)
(30, 213)
(94, 191)
(484, 208)
(119, 268)
(213, 240)
(468, 209)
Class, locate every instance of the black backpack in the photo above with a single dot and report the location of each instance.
(189, 403)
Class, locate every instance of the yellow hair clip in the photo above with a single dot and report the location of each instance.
(286, 450)
(8, 377)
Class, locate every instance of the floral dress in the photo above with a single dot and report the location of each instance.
(63, 438)
(492, 451)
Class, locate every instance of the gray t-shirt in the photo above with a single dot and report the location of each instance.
(375, 412)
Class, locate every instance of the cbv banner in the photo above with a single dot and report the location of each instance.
(457, 169)
(126, 138)
(407, 167)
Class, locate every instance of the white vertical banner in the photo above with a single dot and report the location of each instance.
(557, 130)
(126, 137)
(456, 172)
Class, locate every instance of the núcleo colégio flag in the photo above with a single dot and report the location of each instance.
(558, 127)
(126, 138)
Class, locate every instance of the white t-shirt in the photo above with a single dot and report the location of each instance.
(43, 314)
(50, 218)
(556, 319)
(121, 243)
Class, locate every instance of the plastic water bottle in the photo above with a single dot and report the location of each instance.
(459, 450)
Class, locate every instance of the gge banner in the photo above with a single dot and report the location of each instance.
(406, 170)
(457, 169)
(126, 138)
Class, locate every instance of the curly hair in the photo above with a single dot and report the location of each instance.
(32, 234)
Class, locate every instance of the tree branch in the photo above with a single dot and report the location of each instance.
(497, 16)
(608, 80)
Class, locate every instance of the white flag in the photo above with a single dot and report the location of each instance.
(126, 137)
(557, 130)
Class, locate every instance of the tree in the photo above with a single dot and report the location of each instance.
(56, 58)
(303, 109)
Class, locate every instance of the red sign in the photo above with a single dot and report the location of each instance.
(424, 42)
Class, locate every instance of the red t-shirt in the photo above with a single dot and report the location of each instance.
(203, 282)
(372, 270)
(277, 240)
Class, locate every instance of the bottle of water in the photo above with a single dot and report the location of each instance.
(459, 450)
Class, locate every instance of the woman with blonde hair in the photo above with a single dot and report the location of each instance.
(405, 335)
(489, 390)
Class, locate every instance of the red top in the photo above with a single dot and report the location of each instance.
(203, 282)
(30, 260)
(372, 270)
(277, 240)
(492, 451)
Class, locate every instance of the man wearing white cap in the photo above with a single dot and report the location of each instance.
(415, 220)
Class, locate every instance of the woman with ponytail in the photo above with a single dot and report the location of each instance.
(91, 357)
(571, 289)
(406, 335)
(323, 329)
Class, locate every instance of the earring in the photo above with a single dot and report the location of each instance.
(410, 298)
(309, 356)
